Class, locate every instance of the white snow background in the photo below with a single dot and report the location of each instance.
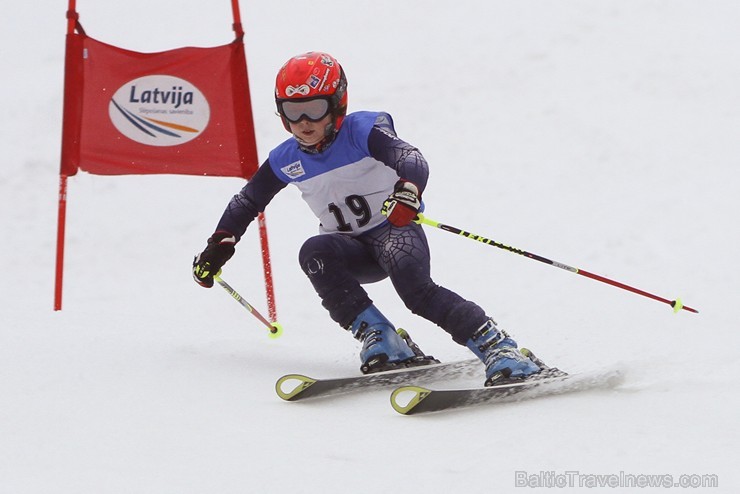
(601, 134)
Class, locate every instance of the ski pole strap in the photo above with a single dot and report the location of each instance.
(274, 328)
(677, 304)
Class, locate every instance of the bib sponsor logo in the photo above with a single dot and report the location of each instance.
(293, 170)
(159, 110)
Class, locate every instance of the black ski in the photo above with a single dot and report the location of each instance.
(293, 387)
(412, 400)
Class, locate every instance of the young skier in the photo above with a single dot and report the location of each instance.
(365, 185)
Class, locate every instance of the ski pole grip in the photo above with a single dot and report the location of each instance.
(423, 220)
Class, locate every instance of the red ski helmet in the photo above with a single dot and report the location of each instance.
(311, 86)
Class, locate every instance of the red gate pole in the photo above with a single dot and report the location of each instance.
(262, 222)
(61, 223)
(237, 26)
(267, 267)
(62, 200)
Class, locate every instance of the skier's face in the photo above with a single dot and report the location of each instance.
(310, 133)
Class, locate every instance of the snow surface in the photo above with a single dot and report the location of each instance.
(604, 135)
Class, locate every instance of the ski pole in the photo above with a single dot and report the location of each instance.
(274, 329)
(676, 304)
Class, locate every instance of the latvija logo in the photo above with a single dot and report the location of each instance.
(159, 110)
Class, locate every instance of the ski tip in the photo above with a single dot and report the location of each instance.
(290, 386)
(406, 398)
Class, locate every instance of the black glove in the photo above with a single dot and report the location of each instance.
(209, 262)
(403, 205)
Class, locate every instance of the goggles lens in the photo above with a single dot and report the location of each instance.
(312, 110)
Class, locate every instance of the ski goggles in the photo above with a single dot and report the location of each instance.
(312, 110)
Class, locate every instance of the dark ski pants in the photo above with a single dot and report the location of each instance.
(337, 265)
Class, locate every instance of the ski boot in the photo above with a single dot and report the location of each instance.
(504, 362)
(384, 348)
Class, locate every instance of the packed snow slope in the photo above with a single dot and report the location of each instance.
(604, 135)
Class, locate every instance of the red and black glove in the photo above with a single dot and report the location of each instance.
(403, 205)
(209, 262)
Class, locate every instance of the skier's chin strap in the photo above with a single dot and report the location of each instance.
(321, 146)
